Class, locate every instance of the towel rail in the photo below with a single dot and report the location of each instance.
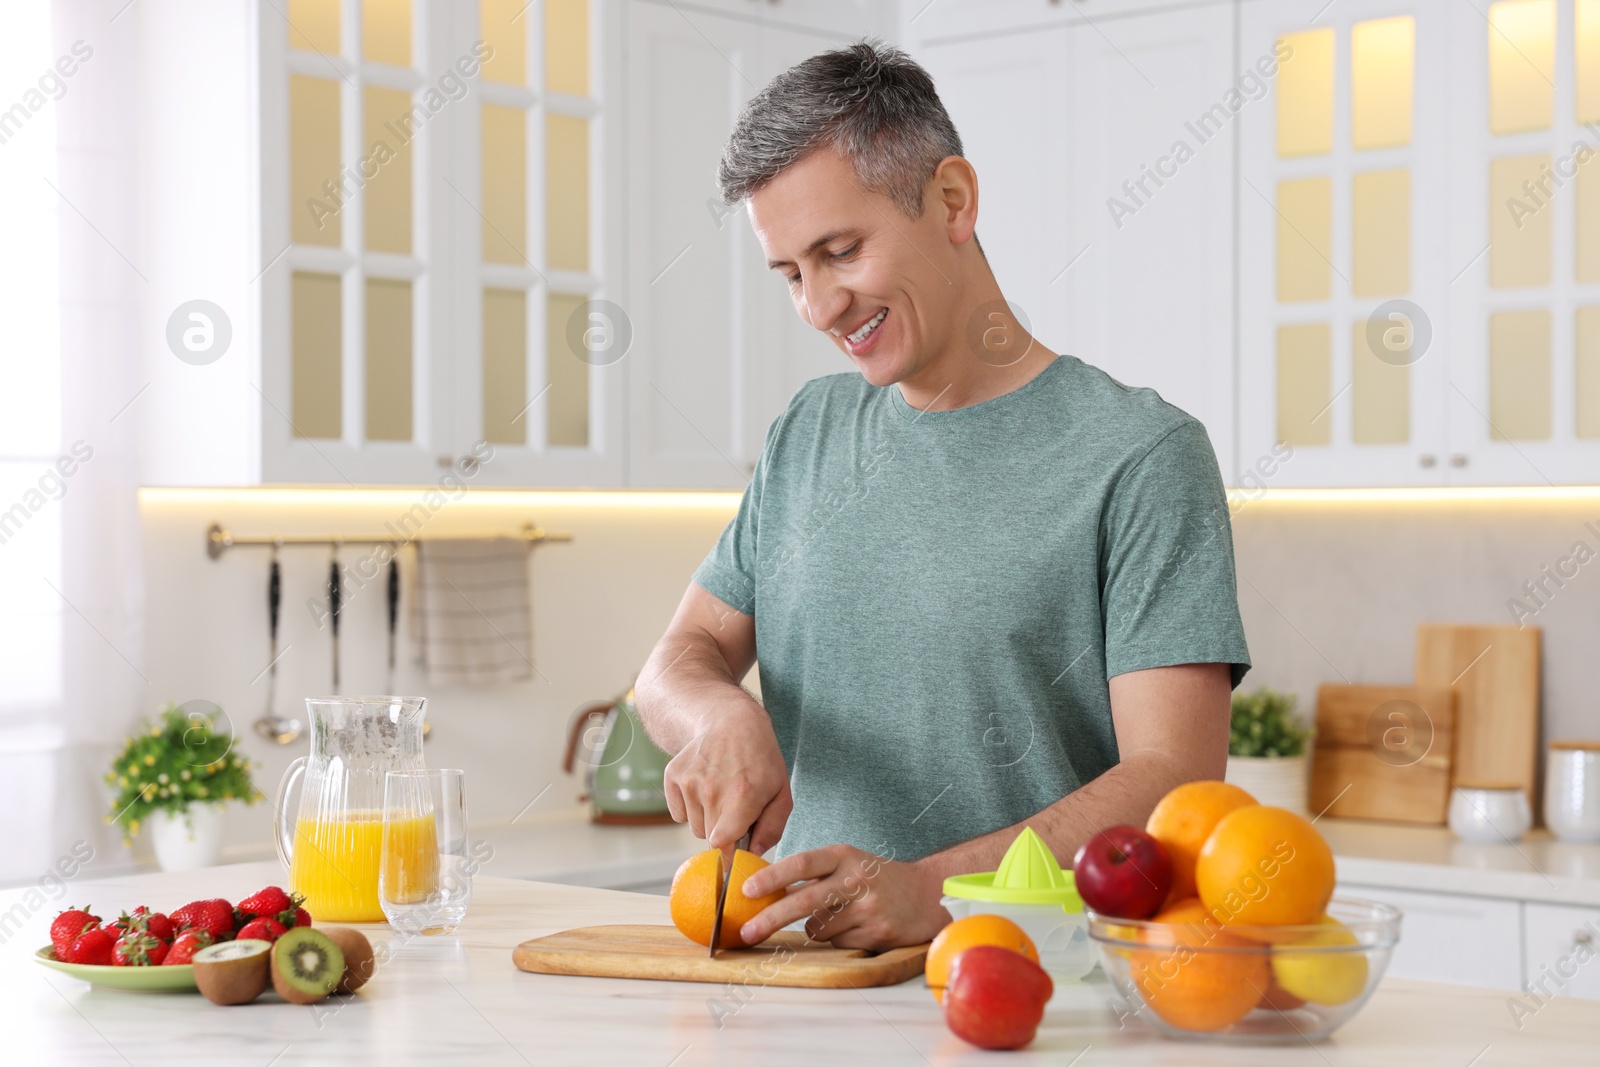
(219, 539)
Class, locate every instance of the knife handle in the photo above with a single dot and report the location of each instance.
(394, 595)
(274, 596)
(335, 595)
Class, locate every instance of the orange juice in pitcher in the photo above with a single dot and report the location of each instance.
(331, 841)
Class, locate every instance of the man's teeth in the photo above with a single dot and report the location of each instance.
(867, 327)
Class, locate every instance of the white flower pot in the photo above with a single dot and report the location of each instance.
(187, 840)
(1276, 781)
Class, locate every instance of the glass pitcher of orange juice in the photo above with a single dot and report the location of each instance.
(333, 846)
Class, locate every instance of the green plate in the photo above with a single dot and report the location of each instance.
(175, 979)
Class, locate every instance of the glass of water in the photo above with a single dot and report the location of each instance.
(425, 871)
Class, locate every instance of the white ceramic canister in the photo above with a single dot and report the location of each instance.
(1572, 791)
(1489, 813)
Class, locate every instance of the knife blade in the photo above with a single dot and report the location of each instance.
(722, 893)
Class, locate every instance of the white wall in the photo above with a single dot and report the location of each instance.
(600, 602)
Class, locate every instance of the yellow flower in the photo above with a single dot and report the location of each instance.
(149, 760)
(133, 826)
(184, 775)
(122, 780)
(134, 770)
(200, 790)
(162, 778)
(155, 731)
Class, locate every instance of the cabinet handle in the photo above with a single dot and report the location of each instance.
(1582, 937)
(1458, 460)
(445, 462)
(1427, 461)
(469, 465)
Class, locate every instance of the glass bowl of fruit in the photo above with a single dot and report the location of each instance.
(1195, 978)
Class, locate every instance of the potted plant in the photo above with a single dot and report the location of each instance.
(1268, 747)
(177, 774)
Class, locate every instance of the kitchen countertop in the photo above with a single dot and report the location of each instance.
(1432, 859)
(458, 999)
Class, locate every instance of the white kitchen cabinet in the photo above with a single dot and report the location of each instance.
(1110, 227)
(718, 348)
(858, 17)
(1447, 938)
(1427, 210)
(925, 21)
(1561, 950)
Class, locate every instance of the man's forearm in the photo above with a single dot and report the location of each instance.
(684, 677)
(1126, 793)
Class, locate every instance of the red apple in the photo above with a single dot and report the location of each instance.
(996, 997)
(1123, 872)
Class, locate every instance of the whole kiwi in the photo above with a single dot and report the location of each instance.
(358, 962)
(234, 972)
(306, 965)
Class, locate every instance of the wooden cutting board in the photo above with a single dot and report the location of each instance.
(1495, 673)
(788, 958)
(1383, 752)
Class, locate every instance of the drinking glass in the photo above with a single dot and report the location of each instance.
(425, 877)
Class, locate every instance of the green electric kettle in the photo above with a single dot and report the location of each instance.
(623, 769)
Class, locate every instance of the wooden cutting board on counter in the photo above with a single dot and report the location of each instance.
(788, 958)
(1383, 752)
(1494, 671)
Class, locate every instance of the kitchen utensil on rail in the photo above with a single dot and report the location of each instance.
(1572, 790)
(392, 592)
(788, 958)
(1495, 673)
(1383, 752)
(335, 597)
(624, 771)
(331, 840)
(271, 725)
(724, 877)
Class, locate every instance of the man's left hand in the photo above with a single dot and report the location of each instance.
(850, 898)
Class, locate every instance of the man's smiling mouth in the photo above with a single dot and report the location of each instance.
(866, 329)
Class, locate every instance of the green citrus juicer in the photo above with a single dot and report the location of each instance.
(1031, 890)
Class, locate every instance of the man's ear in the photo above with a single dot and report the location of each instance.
(953, 192)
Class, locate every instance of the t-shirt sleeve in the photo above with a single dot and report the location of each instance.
(729, 570)
(1168, 593)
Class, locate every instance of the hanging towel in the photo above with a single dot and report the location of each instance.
(471, 615)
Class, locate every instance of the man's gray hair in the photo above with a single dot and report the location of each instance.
(873, 104)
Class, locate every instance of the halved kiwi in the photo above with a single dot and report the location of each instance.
(306, 965)
(358, 964)
(233, 972)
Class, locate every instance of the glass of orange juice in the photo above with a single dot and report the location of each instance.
(424, 869)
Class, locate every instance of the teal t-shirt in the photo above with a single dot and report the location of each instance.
(940, 597)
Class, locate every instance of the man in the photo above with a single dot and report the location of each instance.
(989, 585)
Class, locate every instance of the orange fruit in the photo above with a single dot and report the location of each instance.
(693, 899)
(1192, 989)
(1265, 866)
(963, 934)
(1182, 822)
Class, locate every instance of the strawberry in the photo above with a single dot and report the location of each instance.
(138, 949)
(143, 920)
(262, 928)
(269, 901)
(66, 927)
(93, 946)
(214, 916)
(302, 917)
(187, 944)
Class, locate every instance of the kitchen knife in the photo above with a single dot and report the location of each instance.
(722, 894)
(394, 613)
(335, 595)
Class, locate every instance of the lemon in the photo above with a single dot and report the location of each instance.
(1322, 977)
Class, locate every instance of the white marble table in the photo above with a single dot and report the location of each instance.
(457, 999)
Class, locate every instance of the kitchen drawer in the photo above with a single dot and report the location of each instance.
(1560, 944)
(1445, 938)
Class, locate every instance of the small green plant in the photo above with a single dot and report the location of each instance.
(1264, 724)
(172, 763)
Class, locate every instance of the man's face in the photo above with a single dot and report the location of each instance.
(857, 268)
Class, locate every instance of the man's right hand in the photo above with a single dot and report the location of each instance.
(730, 777)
